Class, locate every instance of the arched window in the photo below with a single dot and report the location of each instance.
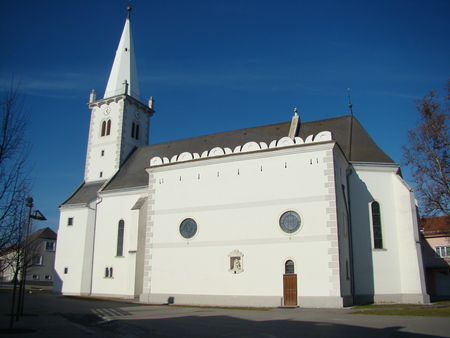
(120, 238)
(289, 267)
(376, 225)
(137, 132)
(108, 272)
(103, 128)
(106, 128)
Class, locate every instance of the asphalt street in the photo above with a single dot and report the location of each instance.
(57, 316)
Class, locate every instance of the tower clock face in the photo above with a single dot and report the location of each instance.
(107, 111)
(137, 114)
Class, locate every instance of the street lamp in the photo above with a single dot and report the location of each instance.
(37, 215)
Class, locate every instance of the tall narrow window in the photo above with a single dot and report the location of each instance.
(120, 238)
(137, 132)
(108, 127)
(103, 128)
(376, 226)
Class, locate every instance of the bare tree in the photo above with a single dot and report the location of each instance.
(428, 153)
(14, 170)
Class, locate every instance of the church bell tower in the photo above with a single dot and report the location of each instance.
(120, 121)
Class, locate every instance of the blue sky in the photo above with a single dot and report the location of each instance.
(219, 65)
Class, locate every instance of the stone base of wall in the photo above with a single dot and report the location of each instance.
(413, 298)
(325, 302)
(242, 301)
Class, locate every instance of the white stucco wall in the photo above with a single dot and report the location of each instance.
(74, 250)
(237, 202)
(391, 273)
(113, 208)
(116, 146)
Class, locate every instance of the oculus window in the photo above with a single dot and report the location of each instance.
(290, 222)
(188, 228)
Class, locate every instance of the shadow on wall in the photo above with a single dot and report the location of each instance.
(437, 273)
(363, 274)
(57, 283)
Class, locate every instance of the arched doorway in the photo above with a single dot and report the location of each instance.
(289, 284)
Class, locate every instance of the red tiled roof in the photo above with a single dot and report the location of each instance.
(435, 226)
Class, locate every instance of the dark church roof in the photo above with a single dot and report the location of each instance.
(355, 142)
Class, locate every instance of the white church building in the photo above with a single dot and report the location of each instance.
(309, 214)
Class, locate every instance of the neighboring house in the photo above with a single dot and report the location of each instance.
(313, 214)
(41, 248)
(436, 244)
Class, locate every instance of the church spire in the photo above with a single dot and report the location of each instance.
(124, 66)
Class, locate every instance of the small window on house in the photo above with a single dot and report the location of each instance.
(35, 277)
(376, 225)
(50, 246)
(289, 267)
(120, 232)
(66, 271)
(442, 251)
(101, 174)
(70, 221)
(37, 260)
(102, 153)
(48, 277)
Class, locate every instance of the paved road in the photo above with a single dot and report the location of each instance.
(56, 316)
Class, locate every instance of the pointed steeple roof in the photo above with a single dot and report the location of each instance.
(124, 66)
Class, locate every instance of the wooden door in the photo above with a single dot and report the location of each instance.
(290, 289)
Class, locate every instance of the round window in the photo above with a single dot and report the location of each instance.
(188, 228)
(290, 222)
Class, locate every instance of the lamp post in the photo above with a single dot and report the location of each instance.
(37, 215)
